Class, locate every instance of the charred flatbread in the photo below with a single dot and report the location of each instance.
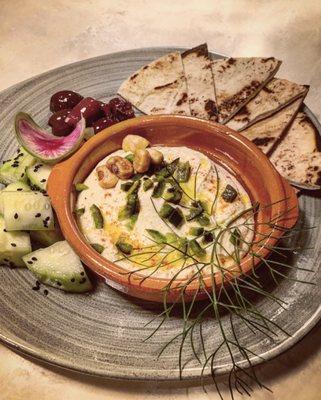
(275, 95)
(296, 157)
(200, 82)
(266, 133)
(159, 87)
(237, 80)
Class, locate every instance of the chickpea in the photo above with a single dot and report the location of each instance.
(133, 143)
(156, 156)
(106, 179)
(121, 167)
(141, 161)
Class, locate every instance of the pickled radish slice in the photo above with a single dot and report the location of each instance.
(44, 145)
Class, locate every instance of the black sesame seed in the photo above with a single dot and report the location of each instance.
(82, 273)
(83, 280)
(37, 283)
(47, 219)
(13, 245)
(34, 259)
(6, 260)
(36, 288)
(45, 292)
(22, 175)
(5, 230)
(58, 283)
(43, 180)
(30, 262)
(72, 280)
(16, 216)
(19, 190)
(38, 215)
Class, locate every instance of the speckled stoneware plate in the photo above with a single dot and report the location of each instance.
(102, 333)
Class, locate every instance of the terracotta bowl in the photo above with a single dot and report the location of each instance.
(251, 167)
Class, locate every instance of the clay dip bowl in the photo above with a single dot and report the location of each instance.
(226, 147)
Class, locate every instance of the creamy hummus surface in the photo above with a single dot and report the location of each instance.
(208, 184)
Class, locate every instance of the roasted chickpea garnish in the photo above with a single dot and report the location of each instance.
(106, 179)
(121, 167)
(142, 161)
(156, 156)
(133, 143)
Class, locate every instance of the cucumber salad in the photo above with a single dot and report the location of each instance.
(29, 232)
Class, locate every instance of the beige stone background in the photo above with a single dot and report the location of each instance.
(38, 35)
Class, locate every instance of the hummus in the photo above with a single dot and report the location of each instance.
(218, 245)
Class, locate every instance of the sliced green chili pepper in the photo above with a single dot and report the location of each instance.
(97, 216)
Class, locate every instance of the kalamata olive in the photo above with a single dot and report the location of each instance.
(103, 123)
(89, 108)
(121, 109)
(58, 125)
(64, 100)
(106, 110)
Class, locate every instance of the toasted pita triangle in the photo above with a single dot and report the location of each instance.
(274, 96)
(200, 82)
(296, 156)
(237, 80)
(266, 133)
(159, 87)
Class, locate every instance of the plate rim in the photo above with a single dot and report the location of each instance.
(148, 375)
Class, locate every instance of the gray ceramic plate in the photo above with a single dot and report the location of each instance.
(102, 333)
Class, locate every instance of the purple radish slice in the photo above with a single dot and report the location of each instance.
(121, 109)
(59, 126)
(44, 145)
(103, 123)
(64, 100)
(89, 108)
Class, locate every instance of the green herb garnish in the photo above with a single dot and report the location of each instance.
(97, 216)
(173, 195)
(124, 247)
(235, 237)
(183, 172)
(195, 211)
(98, 247)
(229, 194)
(171, 237)
(157, 236)
(158, 190)
(80, 187)
(148, 184)
(130, 157)
(166, 210)
(208, 237)
(126, 186)
(196, 231)
(79, 211)
(176, 218)
(131, 222)
(195, 248)
(203, 220)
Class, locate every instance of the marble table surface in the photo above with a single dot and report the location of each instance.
(36, 36)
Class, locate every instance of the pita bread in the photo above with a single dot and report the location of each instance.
(200, 82)
(306, 170)
(266, 133)
(274, 96)
(237, 80)
(159, 87)
(296, 157)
